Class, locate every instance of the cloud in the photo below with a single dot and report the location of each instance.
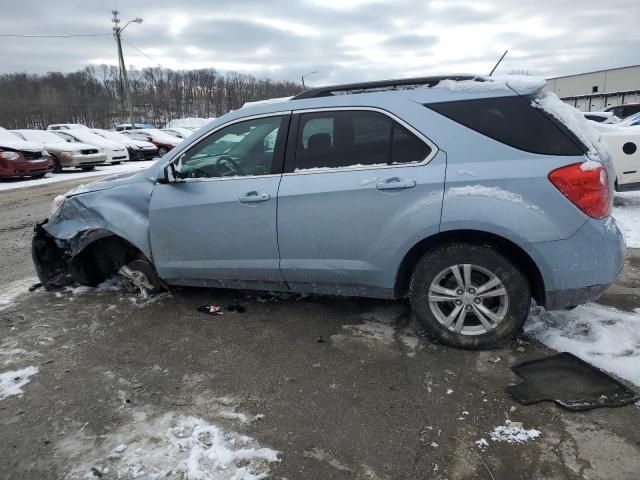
(342, 40)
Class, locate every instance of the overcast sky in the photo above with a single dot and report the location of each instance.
(343, 40)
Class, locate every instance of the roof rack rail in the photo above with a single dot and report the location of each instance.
(381, 84)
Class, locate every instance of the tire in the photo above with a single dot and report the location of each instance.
(88, 169)
(57, 168)
(507, 301)
(115, 163)
(40, 175)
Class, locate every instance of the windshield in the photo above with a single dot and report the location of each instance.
(7, 135)
(40, 136)
(87, 136)
(632, 120)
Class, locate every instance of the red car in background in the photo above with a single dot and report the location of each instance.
(162, 140)
(22, 159)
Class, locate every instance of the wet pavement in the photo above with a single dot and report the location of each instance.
(339, 387)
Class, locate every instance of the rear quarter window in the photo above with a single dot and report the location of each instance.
(514, 122)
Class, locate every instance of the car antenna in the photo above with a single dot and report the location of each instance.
(496, 65)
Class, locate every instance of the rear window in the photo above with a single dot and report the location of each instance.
(514, 122)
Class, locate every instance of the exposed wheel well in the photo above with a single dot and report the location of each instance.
(100, 259)
(506, 247)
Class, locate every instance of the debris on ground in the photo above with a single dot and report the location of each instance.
(236, 307)
(35, 287)
(211, 309)
(320, 339)
(11, 382)
(570, 382)
(514, 433)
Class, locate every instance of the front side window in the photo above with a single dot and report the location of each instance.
(335, 139)
(242, 149)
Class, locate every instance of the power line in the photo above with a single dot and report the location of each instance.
(136, 48)
(19, 35)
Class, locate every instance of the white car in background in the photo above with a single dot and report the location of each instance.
(115, 152)
(66, 126)
(623, 144)
(64, 154)
(601, 117)
(138, 149)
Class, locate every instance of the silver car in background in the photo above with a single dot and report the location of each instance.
(65, 154)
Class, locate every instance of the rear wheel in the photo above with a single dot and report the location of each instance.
(469, 295)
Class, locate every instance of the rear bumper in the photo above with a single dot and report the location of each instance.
(580, 268)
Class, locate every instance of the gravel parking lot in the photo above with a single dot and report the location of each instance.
(292, 388)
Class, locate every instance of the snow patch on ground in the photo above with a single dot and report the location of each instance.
(11, 291)
(112, 284)
(603, 336)
(375, 331)
(513, 433)
(169, 446)
(11, 382)
(626, 211)
(127, 167)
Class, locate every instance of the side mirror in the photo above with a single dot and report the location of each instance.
(171, 172)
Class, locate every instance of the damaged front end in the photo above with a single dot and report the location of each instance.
(97, 231)
(89, 258)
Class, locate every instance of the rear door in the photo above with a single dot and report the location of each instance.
(359, 188)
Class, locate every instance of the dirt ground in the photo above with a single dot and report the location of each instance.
(340, 388)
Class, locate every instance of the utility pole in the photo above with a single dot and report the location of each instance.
(125, 79)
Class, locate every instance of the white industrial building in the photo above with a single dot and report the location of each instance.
(598, 90)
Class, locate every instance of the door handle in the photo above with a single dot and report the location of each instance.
(254, 197)
(395, 183)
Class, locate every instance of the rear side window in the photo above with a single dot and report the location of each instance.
(335, 139)
(514, 122)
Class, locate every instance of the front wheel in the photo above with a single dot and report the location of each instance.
(469, 296)
(88, 169)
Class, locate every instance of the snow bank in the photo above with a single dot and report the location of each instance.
(513, 433)
(11, 382)
(127, 167)
(603, 336)
(574, 121)
(626, 211)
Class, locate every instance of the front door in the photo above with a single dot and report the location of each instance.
(359, 190)
(216, 225)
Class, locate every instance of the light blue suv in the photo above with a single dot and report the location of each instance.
(468, 195)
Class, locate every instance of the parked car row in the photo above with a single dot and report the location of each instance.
(34, 153)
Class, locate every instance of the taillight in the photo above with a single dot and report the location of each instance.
(586, 185)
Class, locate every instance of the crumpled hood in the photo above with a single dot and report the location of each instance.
(118, 180)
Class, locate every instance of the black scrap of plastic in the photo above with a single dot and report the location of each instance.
(96, 472)
(210, 309)
(35, 287)
(570, 382)
(236, 307)
(320, 339)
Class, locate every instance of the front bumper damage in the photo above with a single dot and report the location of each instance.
(51, 258)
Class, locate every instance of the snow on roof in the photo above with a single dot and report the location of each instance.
(521, 84)
(191, 122)
(574, 120)
(266, 101)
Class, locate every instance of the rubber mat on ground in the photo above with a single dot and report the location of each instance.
(570, 382)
